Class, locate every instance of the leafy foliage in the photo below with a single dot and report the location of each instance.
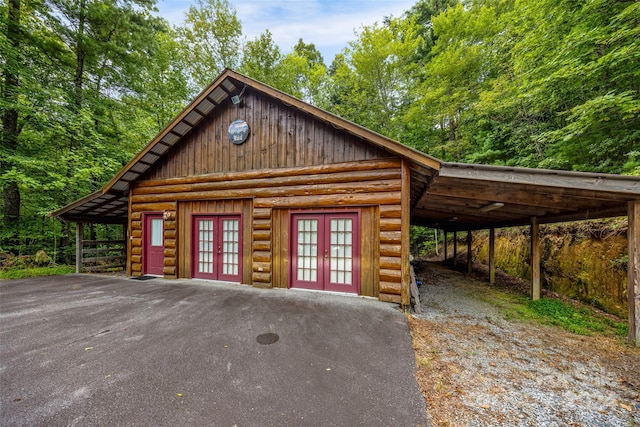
(209, 40)
(85, 83)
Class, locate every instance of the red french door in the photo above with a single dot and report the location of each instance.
(153, 244)
(325, 251)
(217, 247)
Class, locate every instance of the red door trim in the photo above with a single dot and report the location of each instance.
(218, 219)
(323, 277)
(318, 284)
(146, 255)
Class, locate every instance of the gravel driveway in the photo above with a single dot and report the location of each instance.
(476, 369)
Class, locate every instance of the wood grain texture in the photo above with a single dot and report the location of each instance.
(291, 161)
(280, 137)
(535, 259)
(405, 232)
(369, 258)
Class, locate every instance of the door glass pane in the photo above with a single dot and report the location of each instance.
(205, 246)
(341, 249)
(156, 231)
(307, 250)
(230, 245)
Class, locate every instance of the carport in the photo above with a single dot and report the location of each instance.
(466, 197)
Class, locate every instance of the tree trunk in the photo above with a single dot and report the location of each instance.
(10, 129)
(81, 53)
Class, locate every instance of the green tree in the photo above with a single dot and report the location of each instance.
(82, 110)
(562, 87)
(423, 12)
(210, 40)
(304, 73)
(372, 77)
(587, 73)
(452, 81)
(12, 37)
(261, 59)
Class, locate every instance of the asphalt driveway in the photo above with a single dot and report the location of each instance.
(102, 350)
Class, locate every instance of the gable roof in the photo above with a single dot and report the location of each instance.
(110, 204)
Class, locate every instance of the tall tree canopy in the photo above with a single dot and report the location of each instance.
(73, 104)
(536, 83)
(372, 76)
(539, 83)
(210, 40)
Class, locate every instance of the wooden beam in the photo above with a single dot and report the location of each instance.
(125, 237)
(79, 237)
(589, 183)
(345, 168)
(469, 253)
(633, 271)
(492, 255)
(405, 224)
(535, 259)
(509, 193)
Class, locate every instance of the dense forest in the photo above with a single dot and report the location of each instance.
(86, 83)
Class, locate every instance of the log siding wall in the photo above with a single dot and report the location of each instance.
(265, 198)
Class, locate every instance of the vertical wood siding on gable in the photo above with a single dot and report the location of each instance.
(280, 137)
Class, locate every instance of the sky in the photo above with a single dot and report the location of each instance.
(328, 24)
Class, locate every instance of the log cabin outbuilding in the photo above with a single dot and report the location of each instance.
(250, 185)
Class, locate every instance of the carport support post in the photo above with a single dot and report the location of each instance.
(79, 238)
(455, 248)
(469, 254)
(492, 256)
(633, 271)
(535, 259)
(444, 243)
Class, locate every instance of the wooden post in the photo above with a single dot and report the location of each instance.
(455, 248)
(125, 238)
(444, 242)
(492, 256)
(128, 243)
(79, 239)
(535, 259)
(633, 271)
(405, 223)
(469, 253)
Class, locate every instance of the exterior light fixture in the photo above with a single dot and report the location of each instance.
(491, 207)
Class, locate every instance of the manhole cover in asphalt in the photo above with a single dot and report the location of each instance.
(268, 338)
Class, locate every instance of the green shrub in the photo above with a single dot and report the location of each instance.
(41, 258)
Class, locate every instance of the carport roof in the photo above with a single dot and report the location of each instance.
(469, 197)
